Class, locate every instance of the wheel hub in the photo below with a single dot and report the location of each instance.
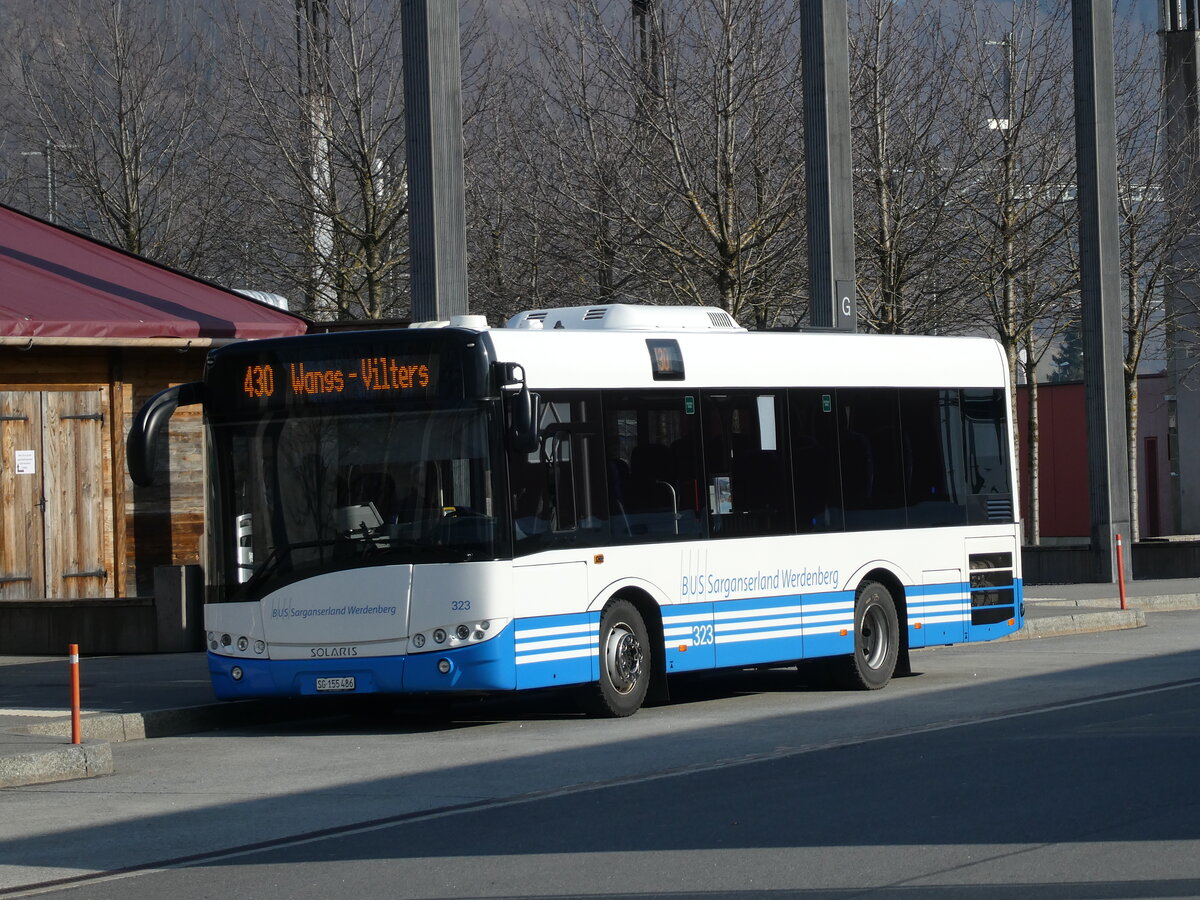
(623, 658)
(874, 643)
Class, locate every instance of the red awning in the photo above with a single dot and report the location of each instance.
(58, 284)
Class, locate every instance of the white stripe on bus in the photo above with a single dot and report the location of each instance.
(757, 613)
(527, 646)
(525, 633)
(548, 657)
(947, 608)
(759, 636)
(810, 608)
(727, 627)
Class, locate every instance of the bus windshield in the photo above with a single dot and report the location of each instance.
(303, 494)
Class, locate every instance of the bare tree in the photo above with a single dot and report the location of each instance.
(676, 133)
(117, 98)
(1014, 231)
(320, 132)
(908, 113)
(1158, 200)
(509, 264)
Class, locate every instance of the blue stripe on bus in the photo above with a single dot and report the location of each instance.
(689, 637)
(829, 624)
(777, 629)
(942, 611)
(758, 630)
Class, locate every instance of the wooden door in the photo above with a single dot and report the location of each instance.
(56, 524)
(78, 491)
(22, 569)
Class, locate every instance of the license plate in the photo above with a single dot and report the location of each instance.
(344, 683)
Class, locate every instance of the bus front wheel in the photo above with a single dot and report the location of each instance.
(624, 663)
(876, 639)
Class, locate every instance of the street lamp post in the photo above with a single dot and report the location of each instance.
(51, 194)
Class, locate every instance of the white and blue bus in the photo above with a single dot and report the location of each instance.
(596, 496)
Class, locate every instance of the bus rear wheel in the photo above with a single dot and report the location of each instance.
(876, 640)
(624, 664)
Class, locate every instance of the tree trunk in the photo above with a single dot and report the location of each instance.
(1131, 416)
(1033, 528)
(1011, 353)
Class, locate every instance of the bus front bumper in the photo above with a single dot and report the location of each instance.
(487, 666)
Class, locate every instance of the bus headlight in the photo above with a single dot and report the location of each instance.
(243, 644)
(461, 634)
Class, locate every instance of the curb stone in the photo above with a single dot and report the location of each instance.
(1083, 623)
(65, 763)
(120, 727)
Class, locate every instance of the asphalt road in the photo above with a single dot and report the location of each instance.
(1057, 768)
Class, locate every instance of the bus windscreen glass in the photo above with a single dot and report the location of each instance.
(306, 494)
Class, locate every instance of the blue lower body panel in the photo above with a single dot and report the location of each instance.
(487, 666)
(554, 650)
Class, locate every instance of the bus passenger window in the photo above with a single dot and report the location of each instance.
(745, 465)
(654, 486)
(872, 460)
(985, 447)
(816, 460)
(558, 496)
(931, 426)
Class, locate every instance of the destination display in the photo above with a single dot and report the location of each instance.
(300, 375)
(352, 378)
(666, 360)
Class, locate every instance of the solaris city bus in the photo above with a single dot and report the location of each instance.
(595, 496)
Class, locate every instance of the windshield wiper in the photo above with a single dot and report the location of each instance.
(281, 554)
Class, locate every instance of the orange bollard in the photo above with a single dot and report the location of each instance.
(73, 649)
(1121, 572)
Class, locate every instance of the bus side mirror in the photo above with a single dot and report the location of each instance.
(140, 445)
(522, 418)
(522, 407)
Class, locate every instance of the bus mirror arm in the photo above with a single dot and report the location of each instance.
(148, 422)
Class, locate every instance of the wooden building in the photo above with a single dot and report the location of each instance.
(87, 334)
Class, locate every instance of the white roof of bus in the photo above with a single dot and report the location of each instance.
(567, 358)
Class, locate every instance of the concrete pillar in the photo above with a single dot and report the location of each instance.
(827, 164)
(437, 192)
(1181, 59)
(1100, 281)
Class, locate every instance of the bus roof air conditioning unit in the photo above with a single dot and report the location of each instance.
(628, 317)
